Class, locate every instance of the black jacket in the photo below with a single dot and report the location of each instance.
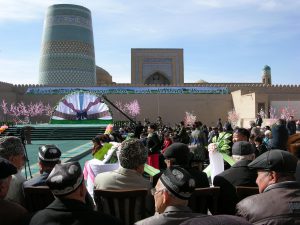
(36, 181)
(41, 181)
(70, 212)
(153, 144)
(199, 176)
(279, 138)
(138, 130)
(291, 126)
(238, 175)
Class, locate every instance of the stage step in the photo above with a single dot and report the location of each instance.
(59, 133)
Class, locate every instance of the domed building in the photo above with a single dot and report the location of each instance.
(201, 82)
(103, 77)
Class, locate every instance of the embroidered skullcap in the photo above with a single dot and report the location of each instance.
(65, 178)
(49, 153)
(178, 181)
(10, 146)
(132, 154)
(6, 168)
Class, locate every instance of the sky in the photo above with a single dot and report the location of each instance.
(223, 40)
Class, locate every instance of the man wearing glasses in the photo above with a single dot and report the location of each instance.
(279, 198)
(171, 194)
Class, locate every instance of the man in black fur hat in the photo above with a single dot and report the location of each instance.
(69, 207)
(49, 156)
(171, 194)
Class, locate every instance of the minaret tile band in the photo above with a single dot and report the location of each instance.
(68, 56)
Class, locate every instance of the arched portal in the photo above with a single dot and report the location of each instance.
(157, 78)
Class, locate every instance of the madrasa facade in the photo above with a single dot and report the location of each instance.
(67, 64)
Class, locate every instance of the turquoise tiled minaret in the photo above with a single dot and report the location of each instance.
(68, 56)
(266, 75)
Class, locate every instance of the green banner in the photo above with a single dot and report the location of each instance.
(128, 90)
(151, 170)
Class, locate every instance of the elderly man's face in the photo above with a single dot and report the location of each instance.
(263, 180)
(158, 194)
(18, 161)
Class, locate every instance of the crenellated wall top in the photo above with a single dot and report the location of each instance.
(232, 86)
(235, 85)
(29, 85)
(4, 84)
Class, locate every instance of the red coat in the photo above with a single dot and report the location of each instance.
(167, 143)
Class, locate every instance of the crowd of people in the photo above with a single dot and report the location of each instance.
(180, 154)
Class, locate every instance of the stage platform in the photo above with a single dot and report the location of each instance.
(60, 125)
(74, 140)
(72, 150)
(58, 131)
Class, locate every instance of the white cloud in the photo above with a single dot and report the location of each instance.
(105, 7)
(27, 10)
(267, 5)
(208, 3)
(158, 20)
(279, 5)
(165, 20)
(22, 10)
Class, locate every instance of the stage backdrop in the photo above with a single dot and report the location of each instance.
(81, 108)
